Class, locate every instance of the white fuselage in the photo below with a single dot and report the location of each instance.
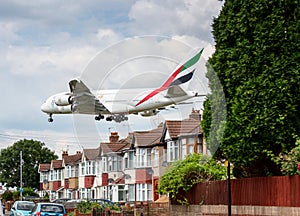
(121, 101)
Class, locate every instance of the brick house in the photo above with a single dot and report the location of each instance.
(112, 183)
(71, 174)
(124, 169)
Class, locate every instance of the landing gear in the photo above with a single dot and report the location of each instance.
(120, 118)
(99, 117)
(117, 118)
(50, 119)
(109, 118)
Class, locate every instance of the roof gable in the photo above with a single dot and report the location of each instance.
(44, 167)
(91, 154)
(72, 159)
(56, 164)
(149, 138)
(187, 126)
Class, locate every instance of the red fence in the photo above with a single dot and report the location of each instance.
(262, 191)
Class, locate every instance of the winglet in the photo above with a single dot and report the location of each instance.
(170, 80)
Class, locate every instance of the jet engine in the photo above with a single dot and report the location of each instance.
(65, 109)
(148, 113)
(63, 100)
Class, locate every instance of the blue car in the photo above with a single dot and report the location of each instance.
(21, 208)
(48, 209)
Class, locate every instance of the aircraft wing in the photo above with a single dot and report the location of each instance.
(83, 100)
(175, 91)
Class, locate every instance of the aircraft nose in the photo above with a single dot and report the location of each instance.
(44, 107)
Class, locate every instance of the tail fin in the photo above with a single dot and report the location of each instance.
(179, 74)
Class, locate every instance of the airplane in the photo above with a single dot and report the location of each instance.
(146, 102)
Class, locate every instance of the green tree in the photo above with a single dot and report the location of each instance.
(7, 196)
(290, 161)
(257, 62)
(33, 154)
(27, 194)
(183, 174)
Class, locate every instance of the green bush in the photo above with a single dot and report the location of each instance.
(7, 196)
(87, 207)
(183, 174)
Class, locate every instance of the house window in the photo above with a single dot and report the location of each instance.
(90, 168)
(72, 171)
(190, 145)
(67, 171)
(129, 160)
(59, 172)
(143, 157)
(144, 192)
(172, 153)
(199, 145)
(82, 169)
(77, 170)
(131, 192)
(104, 164)
(155, 156)
(43, 176)
(110, 192)
(99, 166)
(51, 175)
(104, 190)
(140, 154)
(183, 148)
(114, 163)
(121, 193)
(54, 175)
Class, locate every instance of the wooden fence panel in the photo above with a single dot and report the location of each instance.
(261, 191)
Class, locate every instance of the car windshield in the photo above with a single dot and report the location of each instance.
(25, 206)
(52, 208)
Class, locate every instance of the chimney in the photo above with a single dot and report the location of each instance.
(195, 115)
(64, 154)
(114, 137)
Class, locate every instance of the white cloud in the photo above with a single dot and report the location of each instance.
(189, 17)
(107, 35)
(44, 44)
(35, 60)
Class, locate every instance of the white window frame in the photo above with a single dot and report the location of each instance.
(172, 150)
(143, 192)
(155, 155)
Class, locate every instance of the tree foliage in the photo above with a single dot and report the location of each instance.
(290, 161)
(257, 62)
(33, 154)
(183, 174)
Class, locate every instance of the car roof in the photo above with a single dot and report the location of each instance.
(48, 203)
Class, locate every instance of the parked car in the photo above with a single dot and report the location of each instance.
(61, 200)
(48, 209)
(21, 208)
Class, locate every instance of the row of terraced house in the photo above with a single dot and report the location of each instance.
(123, 170)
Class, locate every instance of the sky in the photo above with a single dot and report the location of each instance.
(45, 44)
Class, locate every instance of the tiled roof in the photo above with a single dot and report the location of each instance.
(56, 164)
(91, 154)
(72, 159)
(116, 145)
(108, 147)
(44, 167)
(149, 138)
(186, 126)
